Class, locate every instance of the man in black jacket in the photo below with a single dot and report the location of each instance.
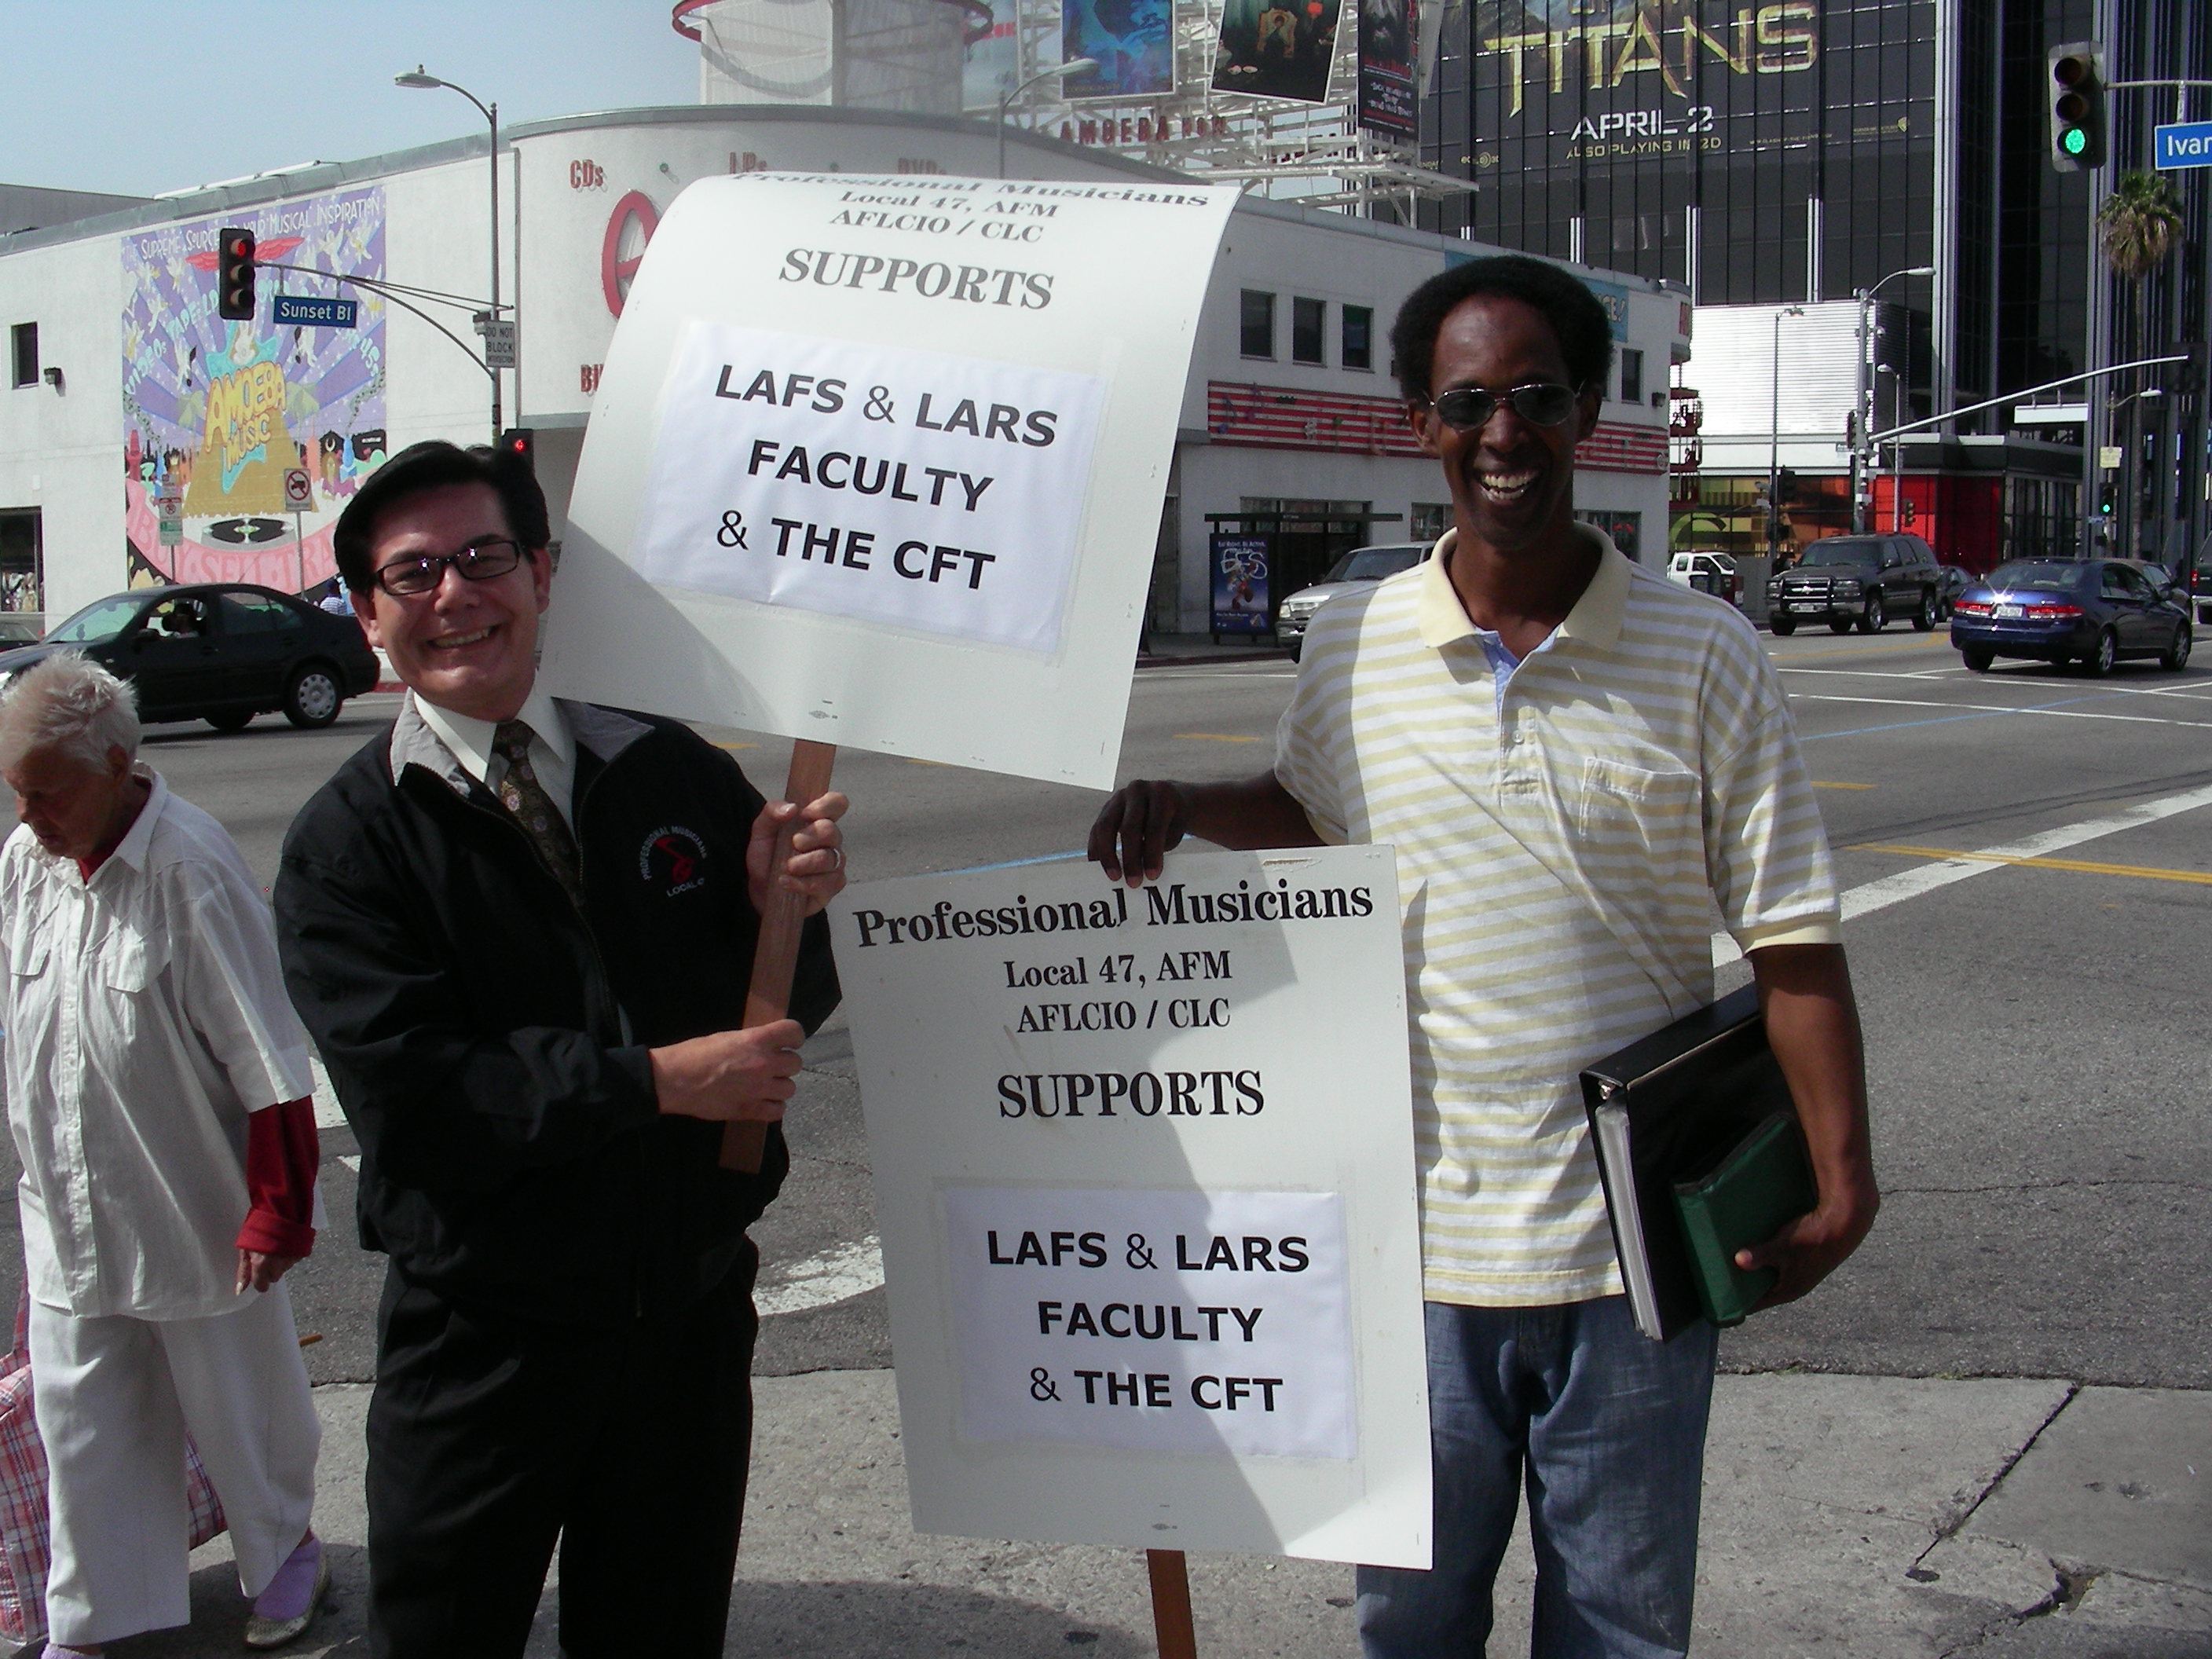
(520, 932)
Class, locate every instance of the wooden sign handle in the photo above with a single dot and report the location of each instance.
(776, 957)
(1171, 1626)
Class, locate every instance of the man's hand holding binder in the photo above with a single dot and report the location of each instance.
(1812, 1025)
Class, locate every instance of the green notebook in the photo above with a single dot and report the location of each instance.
(1763, 1182)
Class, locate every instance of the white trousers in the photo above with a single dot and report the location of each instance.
(114, 1398)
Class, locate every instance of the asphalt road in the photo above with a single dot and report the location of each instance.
(2036, 1030)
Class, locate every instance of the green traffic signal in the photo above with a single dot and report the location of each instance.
(2076, 106)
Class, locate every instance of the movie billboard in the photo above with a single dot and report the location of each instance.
(1240, 585)
(1563, 88)
(1389, 31)
(989, 61)
(1132, 41)
(1277, 48)
(217, 413)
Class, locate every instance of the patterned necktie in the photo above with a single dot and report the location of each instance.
(526, 801)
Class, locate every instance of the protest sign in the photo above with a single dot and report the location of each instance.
(860, 436)
(1144, 1173)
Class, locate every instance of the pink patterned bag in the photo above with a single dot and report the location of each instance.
(26, 1528)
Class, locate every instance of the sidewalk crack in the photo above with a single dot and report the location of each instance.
(1950, 1529)
(2068, 1585)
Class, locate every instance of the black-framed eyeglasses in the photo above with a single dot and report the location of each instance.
(1540, 403)
(481, 561)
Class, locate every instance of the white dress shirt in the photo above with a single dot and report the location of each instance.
(145, 1017)
(552, 747)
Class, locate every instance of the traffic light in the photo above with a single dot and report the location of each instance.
(520, 443)
(234, 275)
(1785, 487)
(2076, 93)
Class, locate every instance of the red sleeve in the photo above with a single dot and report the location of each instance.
(282, 1156)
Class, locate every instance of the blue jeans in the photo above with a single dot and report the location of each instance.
(1610, 1428)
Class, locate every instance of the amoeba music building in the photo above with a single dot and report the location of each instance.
(143, 440)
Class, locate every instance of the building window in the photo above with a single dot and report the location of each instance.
(1308, 318)
(22, 560)
(23, 338)
(1358, 337)
(1627, 528)
(1429, 519)
(1256, 324)
(1632, 376)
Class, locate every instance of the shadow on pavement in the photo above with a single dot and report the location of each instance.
(860, 1620)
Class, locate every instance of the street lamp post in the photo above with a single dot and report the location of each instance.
(1863, 401)
(1005, 103)
(1774, 442)
(416, 78)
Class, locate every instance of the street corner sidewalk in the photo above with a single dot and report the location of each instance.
(1864, 1518)
(1164, 650)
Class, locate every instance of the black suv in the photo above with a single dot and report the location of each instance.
(1860, 581)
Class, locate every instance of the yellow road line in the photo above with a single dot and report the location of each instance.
(1214, 737)
(737, 745)
(2199, 877)
(1922, 642)
(1846, 785)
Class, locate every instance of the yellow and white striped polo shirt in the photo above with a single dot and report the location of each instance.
(1561, 853)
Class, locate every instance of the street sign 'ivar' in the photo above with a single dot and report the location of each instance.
(2182, 144)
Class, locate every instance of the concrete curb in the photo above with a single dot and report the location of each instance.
(1867, 1517)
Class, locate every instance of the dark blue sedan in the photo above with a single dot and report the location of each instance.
(2088, 611)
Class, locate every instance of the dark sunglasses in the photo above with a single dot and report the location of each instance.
(479, 562)
(1540, 403)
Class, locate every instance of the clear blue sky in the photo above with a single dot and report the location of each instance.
(138, 97)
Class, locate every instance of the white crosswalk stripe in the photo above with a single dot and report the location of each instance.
(1881, 894)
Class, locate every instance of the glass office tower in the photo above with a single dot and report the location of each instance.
(1796, 151)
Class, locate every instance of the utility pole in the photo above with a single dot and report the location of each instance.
(1861, 476)
(1774, 443)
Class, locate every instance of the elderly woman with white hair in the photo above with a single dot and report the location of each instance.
(157, 1087)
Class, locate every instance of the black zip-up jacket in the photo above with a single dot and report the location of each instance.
(488, 1042)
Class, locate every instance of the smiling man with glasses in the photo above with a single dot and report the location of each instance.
(1577, 761)
(520, 930)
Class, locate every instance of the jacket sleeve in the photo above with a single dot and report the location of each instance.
(435, 1102)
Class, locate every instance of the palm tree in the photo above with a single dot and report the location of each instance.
(2141, 221)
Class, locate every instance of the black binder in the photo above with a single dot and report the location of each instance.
(1670, 1107)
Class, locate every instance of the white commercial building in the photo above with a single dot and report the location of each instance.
(143, 439)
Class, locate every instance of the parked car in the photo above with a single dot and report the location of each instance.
(1709, 572)
(21, 627)
(2089, 612)
(1859, 581)
(220, 653)
(1357, 568)
(1957, 579)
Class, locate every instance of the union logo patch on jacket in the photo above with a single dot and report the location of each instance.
(674, 858)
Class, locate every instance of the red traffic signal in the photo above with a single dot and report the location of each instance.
(234, 275)
(520, 443)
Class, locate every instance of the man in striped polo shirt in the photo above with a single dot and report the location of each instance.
(1578, 763)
